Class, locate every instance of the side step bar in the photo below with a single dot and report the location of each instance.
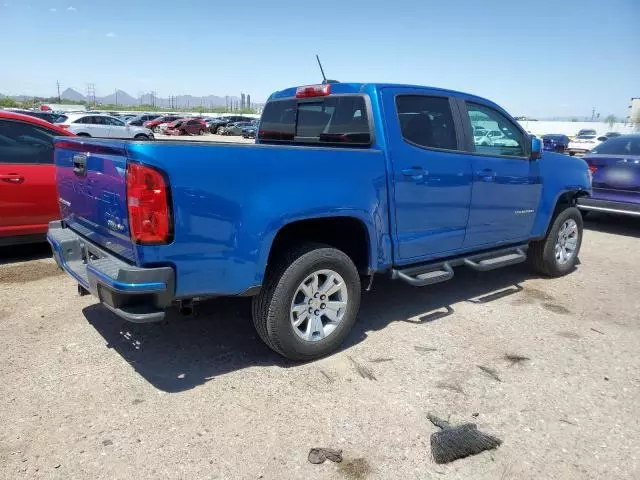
(436, 272)
(497, 262)
(444, 273)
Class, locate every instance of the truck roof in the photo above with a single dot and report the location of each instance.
(358, 87)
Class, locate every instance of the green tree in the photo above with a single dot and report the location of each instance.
(611, 120)
(8, 102)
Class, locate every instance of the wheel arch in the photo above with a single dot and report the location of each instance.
(349, 233)
(564, 198)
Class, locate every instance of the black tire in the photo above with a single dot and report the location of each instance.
(271, 307)
(83, 135)
(541, 253)
(141, 137)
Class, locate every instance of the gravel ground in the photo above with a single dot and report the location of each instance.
(86, 395)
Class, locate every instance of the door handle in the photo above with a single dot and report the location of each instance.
(416, 173)
(12, 178)
(486, 175)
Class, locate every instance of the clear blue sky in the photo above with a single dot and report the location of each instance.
(538, 58)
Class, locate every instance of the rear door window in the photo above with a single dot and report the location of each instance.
(427, 121)
(340, 120)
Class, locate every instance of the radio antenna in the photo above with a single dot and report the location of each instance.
(324, 78)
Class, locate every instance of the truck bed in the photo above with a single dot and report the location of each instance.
(227, 201)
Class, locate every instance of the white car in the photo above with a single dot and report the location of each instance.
(106, 126)
(493, 138)
(583, 144)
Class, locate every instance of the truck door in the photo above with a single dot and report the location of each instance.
(506, 183)
(431, 177)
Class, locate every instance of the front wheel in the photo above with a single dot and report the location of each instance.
(308, 303)
(557, 253)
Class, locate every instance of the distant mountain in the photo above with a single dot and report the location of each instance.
(124, 99)
(72, 95)
(120, 97)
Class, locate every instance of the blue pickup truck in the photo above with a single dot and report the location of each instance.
(345, 181)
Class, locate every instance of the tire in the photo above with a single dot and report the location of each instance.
(141, 137)
(83, 135)
(543, 255)
(273, 306)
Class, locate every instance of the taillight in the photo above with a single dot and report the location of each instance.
(313, 91)
(592, 169)
(148, 205)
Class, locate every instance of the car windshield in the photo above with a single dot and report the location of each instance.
(619, 146)
(585, 137)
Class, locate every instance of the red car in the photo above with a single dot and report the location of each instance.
(28, 198)
(153, 124)
(187, 126)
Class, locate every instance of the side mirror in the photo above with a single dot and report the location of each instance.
(536, 148)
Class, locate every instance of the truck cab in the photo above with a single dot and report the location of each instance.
(346, 181)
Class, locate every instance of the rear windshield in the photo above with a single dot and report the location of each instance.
(619, 146)
(336, 120)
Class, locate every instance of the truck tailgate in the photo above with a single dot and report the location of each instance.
(92, 192)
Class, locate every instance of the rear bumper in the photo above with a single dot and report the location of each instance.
(608, 206)
(136, 294)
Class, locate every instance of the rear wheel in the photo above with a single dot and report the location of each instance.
(308, 303)
(557, 253)
(82, 134)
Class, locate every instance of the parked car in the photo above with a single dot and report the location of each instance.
(91, 125)
(50, 117)
(156, 122)
(242, 219)
(28, 197)
(186, 126)
(583, 144)
(491, 138)
(236, 128)
(250, 131)
(615, 167)
(219, 127)
(587, 131)
(555, 142)
(139, 120)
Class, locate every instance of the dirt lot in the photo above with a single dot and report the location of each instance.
(85, 395)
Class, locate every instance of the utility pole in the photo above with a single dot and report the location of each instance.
(116, 98)
(58, 84)
(91, 93)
